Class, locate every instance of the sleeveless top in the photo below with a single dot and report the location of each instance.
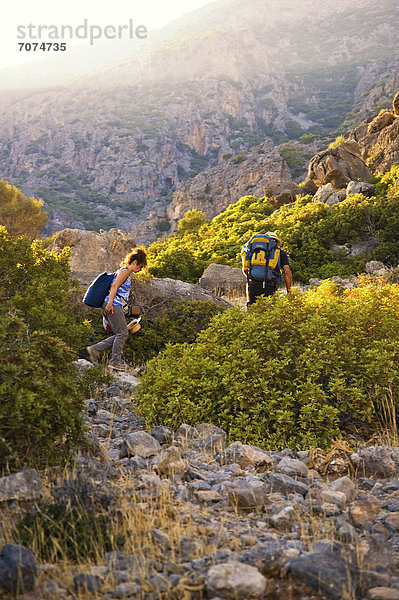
(123, 290)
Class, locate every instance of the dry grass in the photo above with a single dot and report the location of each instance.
(334, 460)
(387, 434)
(134, 516)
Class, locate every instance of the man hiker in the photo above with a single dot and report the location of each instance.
(262, 262)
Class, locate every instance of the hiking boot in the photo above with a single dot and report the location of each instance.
(94, 355)
(121, 366)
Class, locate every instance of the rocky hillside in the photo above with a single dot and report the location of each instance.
(260, 172)
(108, 150)
(210, 520)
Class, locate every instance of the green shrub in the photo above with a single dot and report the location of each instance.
(191, 222)
(21, 215)
(180, 323)
(40, 401)
(294, 371)
(339, 140)
(41, 330)
(239, 158)
(37, 285)
(307, 230)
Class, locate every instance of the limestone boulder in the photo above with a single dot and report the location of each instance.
(327, 194)
(140, 443)
(223, 280)
(382, 120)
(376, 268)
(235, 580)
(22, 486)
(360, 187)
(395, 104)
(339, 166)
(92, 252)
(378, 140)
(157, 295)
(18, 571)
(244, 455)
(376, 461)
(171, 462)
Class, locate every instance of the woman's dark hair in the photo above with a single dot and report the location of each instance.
(137, 254)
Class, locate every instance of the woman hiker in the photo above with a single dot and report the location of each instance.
(112, 309)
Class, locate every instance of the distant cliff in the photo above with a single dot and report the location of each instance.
(260, 172)
(108, 150)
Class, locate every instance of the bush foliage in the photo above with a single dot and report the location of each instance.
(308, 231)
(41, 330)
(180, 323)
(295, 371)
(19, 214)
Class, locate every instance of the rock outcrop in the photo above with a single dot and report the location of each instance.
(339, 166)
(371, 148)
(92, 252)
(223, 280)
(259, 172)
(111, 148)
(156, 295)
(378, 139)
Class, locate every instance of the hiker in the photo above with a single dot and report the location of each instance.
(262, 261)
(112, 309)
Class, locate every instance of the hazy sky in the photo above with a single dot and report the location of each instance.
(151, 13)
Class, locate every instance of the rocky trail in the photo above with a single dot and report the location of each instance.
(211, 520)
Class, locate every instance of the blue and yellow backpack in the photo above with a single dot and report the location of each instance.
(261, 258)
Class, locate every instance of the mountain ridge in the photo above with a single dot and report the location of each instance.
(111, 149)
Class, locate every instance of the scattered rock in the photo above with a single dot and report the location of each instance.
(88, 584)
(130, 589)
(186, 433)
(292, 467)
(270, 557)
(376, 268)
(126, 382)
(284, 518)
(334, 497)
(171, 462)
(326, 194)
(18, 570)
(286, 485)
(360, 187)
(245, 455)
(212, 438)
(383, 593)
(140, 444)
(248, 497)
(235, 580)
(327, 572)
(25, 485)
(163, 435)
(363, 512)
(376, 461)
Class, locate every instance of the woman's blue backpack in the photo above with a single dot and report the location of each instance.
(98, 290)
